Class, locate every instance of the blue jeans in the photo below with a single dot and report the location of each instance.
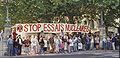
(10, 50)
(75, 47)
(71, 49)
(15, 51)
(109, 45)
(104, 45)
(87, 46)
(61, 50)
(41, 50)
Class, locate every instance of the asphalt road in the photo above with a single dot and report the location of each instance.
(87, 54)
(66, 56)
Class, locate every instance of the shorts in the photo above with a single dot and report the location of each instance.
(27, 49)
(96, 43)
(45, 48)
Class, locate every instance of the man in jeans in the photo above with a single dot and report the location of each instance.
(114, 42)
(10, 46)
(20, 42)
(75, 44)
(87, 43)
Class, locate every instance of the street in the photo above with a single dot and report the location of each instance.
(81, 54)
(59, 28)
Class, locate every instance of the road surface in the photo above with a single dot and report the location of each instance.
(81, 54)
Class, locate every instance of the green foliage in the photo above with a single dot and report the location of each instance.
(33, 11)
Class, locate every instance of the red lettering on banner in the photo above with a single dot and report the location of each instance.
(62, 26)
(30, 27)
(77, 28)
(49, 29)
(67, 27)
(39, 26)
(25, 28)
(72, 27)
(52, 27)
(20, 28)
(45, 27)
(57, 27)
(34, 27)
(81, 28)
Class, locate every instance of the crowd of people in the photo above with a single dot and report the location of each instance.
(60, 43)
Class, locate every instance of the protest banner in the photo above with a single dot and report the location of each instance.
(51, 28)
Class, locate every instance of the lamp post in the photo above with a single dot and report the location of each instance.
(7, 25)
(7, 13)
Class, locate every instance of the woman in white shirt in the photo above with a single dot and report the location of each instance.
(80, 46)
(65, 43)
(56, 40)
(71, 44)
(97, 42)
(34, 44)
(92, 43)
(45, 45)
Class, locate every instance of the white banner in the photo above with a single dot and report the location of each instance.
(51, 28)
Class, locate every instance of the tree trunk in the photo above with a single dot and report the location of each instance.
(119, 30)
(106, 30)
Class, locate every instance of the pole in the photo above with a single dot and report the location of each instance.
(2, 46)
(7, 13)
(7, 10)
(6, 25)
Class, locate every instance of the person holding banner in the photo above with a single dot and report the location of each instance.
(41, 43)
(34, 44)
(97, 42)
(71, 44)
(14, 34)
(62, 34)
(76, 43)
(56, 40)
(20, 43)
(61, 45)
(80, 46)
(51, 41)
(88, 42)
(27, 43)
(65, 43)
(45, 45)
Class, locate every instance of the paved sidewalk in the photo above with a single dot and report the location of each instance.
(3, 48)
(112, 53)
(94, 52)
(102, 53)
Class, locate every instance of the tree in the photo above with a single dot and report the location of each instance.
(2, 15)
(31, 11)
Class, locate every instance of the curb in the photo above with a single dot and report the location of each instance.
(74, 53)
